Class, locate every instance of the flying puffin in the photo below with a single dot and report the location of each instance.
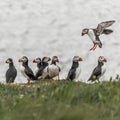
(42, 72)
(96, 32)
(26, 70)
(53, 69)
(39, 64)
(99, 70)
(75, 70)
(11, 73)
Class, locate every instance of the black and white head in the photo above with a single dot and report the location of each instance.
(77, 59)
(55, 59)
(46, 59)
(9, 61)
(37, 60)
(102, 59)
(84, 31)
(24, 59)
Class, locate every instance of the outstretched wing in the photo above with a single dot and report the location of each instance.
(103, 25)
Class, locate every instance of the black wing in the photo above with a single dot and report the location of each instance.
(103, 25)
(71, 74)
(11, 75)
(40, 72)
(29, 73)
(96, 72)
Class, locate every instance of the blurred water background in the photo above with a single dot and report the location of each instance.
(38, 28)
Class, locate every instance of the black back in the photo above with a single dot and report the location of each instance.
(28, 71)
(11, 73)
(96, 72)
(72, 72)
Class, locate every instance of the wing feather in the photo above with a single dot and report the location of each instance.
(103, 25)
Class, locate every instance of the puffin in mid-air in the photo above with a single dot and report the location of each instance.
(75, 70)
(42, 72)
(96, 32)
(39, 64)
(11, 73)
(26, 70)
(53, 69)
(99, 70)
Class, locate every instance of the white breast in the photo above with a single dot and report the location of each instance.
(36, 70)
(53, 71)
(78, 71)
(91, 34)
(44, 74)
(103, 70)
(22, 69)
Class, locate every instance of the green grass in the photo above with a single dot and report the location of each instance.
(60, 100)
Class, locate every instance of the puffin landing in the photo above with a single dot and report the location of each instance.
(11, 73)
(75, 70)
(95, 33)
(53, 69)
(26, 70)
(42, 72)
(99, 70)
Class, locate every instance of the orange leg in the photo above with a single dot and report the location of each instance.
(93, 48)
(58, 77)
(28, 82)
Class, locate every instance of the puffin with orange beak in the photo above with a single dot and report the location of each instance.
(75, 70)
(38, 61)
(26, 70)
(98, 71)
(95, 33)
(11, 73)
(42, 72)
(53, 69)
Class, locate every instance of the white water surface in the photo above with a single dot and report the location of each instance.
(38, 28)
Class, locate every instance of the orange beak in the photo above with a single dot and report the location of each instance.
(105, 60)
(80, 59)
(82, 34)
(19, 60)
(34, 61)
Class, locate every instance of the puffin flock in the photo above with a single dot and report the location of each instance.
(46, 71)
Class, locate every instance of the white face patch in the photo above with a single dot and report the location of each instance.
(47, 59)
(101, 59)
(76, 58)
(24, 59)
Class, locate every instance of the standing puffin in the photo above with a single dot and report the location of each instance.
(75, 70)
(99, 70)
(39, 64)
(95, 33)
(26, 70)
(11, 73)
(53, 69)
(42, 72)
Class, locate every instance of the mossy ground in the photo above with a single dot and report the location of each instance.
(60, 100)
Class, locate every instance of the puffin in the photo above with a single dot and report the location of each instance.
(96, 32)
(39, 64)
(53, 69)
(11, 73)
(42, 72)
(75, 70)
(99, 70)
(26, 70)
